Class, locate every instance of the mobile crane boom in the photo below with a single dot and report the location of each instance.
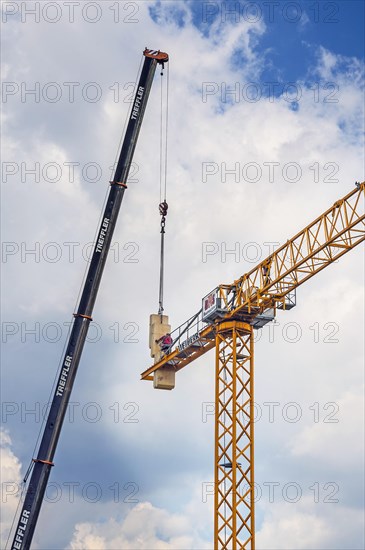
(82, 318)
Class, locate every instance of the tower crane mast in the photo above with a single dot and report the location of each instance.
(226, 321)
(43, 463)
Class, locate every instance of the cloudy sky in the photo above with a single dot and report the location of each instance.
(265, 133)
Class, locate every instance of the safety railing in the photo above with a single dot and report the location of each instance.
(186, 331)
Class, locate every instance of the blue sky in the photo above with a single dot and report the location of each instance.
(294, 30)
(168, 452)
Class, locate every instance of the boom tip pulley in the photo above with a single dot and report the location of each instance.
(161, 57)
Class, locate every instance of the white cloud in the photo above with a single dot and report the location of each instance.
(336, 441)
(10, 476)
(170, 425)
(311, 526)
(145, 527)
(293, 531)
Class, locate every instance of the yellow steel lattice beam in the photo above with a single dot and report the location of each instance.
(234, 526)
(326, 239)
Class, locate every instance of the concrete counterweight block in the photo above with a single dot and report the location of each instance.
(164, 378)
(159, 326)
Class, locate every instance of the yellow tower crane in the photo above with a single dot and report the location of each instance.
(227, 320)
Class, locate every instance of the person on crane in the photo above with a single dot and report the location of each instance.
(165, 342)
(266, 271)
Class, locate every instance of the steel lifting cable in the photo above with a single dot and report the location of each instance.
(163, 212)
(16, 512)
(163, 206)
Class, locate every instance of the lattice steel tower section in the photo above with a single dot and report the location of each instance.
(234, 436)
(227, 320)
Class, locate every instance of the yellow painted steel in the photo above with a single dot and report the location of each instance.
(326, 239)
(206, 338)
(322, 242)
(234, 519)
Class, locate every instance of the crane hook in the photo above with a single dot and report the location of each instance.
(163, 207)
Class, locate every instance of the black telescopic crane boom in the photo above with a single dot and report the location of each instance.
(44, 461)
